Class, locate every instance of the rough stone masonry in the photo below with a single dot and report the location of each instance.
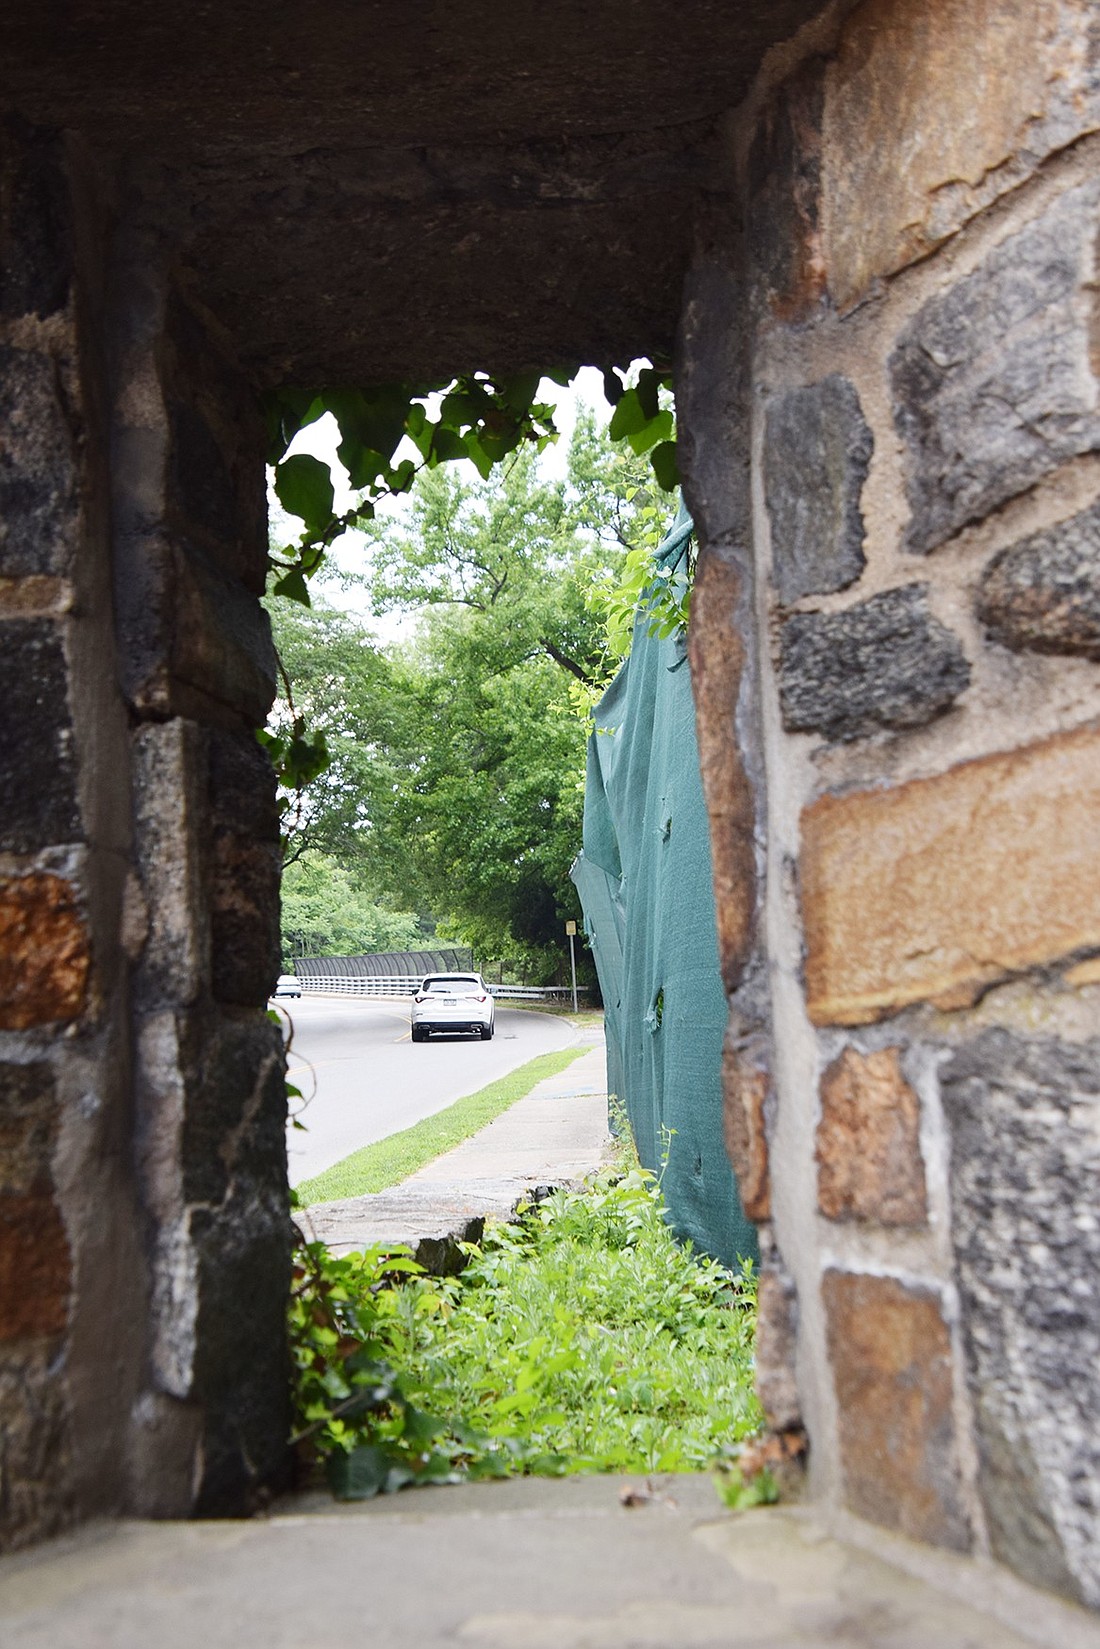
(869, 230)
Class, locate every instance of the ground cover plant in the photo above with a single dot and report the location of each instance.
(580, 1338)
(389, 1161)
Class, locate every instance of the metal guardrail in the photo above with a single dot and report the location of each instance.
(396, 984)
(360, 984)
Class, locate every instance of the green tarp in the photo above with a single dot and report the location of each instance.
(644, 879)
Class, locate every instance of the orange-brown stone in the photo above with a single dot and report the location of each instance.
(924, 107)
(35, 1266)
(746, 1089)
(869, 1164)
(891, 1356)
(938, 888)
(44, 954)
(717, 665)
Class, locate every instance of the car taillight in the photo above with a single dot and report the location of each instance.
(418, 997)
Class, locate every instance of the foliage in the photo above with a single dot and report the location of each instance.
(455, 779)
(345, 687)
(478, 417)
(580, 1338)
(326, 914)
(391, 1160)
(455, 766)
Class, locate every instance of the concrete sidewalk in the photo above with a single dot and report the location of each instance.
(526, 1564)
(555, 1135)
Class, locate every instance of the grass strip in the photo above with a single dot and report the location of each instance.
(388, 1161)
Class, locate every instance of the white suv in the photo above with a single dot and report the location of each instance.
(452, 1002)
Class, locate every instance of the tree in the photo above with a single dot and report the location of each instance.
(326, 914)
(457, 761)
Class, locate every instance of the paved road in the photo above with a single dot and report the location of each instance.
(368, 1080)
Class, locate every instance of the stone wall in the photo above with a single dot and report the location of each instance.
(890, 432)
(144, 1252)
(898, 626)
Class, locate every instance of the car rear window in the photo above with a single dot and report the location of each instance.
(444, 987)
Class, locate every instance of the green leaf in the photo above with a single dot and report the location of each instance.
(374, 420)
(612, 387)
(364, 464)
(482, 460)
(446, 444)
(518, 393)
(293, 585)
(359, 1475)
(647, 389)
(304, 488)
(288, 411)
(665, 465)
(627, 417)
(659, 428)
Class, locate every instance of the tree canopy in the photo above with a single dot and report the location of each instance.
(456, 773)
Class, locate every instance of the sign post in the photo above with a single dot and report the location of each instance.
(571, 928)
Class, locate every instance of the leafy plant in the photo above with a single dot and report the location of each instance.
(581, 1337)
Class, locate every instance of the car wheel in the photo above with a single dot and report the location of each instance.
(486, 1033)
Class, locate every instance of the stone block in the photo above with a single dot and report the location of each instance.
(1044, 592)
(28, 1126)
(776, 1350)
(745, 1089)
(36, 229)
(817, 451)
(890, 1351)
(216, 480)
(235, 1107)
(171, 836)
(885, 663)
(39, 471)
(991, 380)
(245, 869)
(34, 1426)
(195, 642)
(784, 231)
(35, 1265)
(45, 959)
(869, 1163)
(932, 112)
(932, 890)
(1025, 1165)
(239, 1235)
(37, 760)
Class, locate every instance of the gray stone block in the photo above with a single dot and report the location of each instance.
(39, 504)
(1044, 592)
(884, 663)
(992, 381)
(28, 1125)
(817, 450)
(37, 760)
(1025, 1164)
(245, 870)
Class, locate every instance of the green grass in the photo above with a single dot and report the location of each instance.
(582, 1337)
(389, 1161)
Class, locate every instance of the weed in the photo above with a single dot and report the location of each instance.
(581, 1337)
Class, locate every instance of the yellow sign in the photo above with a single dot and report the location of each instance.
(570, 928)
